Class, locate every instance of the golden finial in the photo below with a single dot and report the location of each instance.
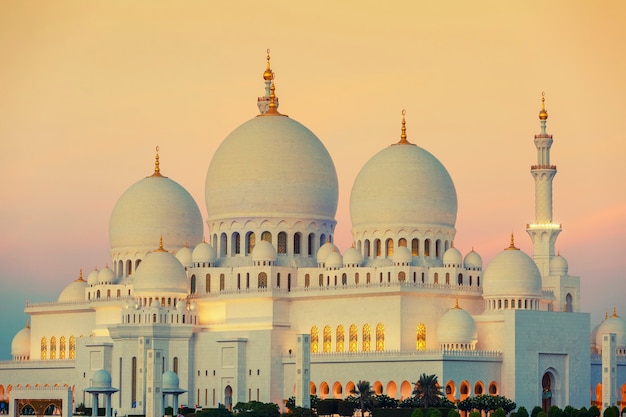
(403, 140)
(80, 276)
(606, 315)
(157, 171)
(543, 114)
(512, 244)
(614, 312)
(268, 74)
(160, 245)
(456, 305)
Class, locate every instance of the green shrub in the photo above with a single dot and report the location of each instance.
(535, 411)
(453, 413)
(433, 412)
(555, 411)
(499, 413)
(522, 412)
(474, 413)
(594, 411)
(611, 411)
(346, 408)
(417, 413)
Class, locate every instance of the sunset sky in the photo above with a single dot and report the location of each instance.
(88, 89)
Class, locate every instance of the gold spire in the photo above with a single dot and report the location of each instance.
(456, 304)
(157, 170)
(606, 315)
(403, 140)
(543, 114)
(160, 245)
(268, 74)
(80, 276)
(512, 244)
(614, 312)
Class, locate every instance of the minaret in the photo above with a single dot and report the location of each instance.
(543, 232)
(267, 102)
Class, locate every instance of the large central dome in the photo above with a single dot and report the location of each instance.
(269, 167)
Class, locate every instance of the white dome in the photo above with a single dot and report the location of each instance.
(92, 278)
(352, 257)
(457, 326)
(106, 276)
(325, 250)
(156, 303)
(75, 291)
(452, 257)
(558, 265)
(264, 251)
(473, 261)
(402, 254)
(203, 252)
(614, 324)
(101, 379)
(403, 185)
(160, 273)
(184, 256)
(20, 346)
(334, 260)
(170, 380)
(247, 175)
(512, 273)
(154, 207)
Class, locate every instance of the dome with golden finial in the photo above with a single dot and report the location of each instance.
(75, 291)
(20, 345)
(457, 330)
(160, 274)
(268, 74)
(613, 324)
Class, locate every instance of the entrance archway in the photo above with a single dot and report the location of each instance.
(547, 386)
(228, 398)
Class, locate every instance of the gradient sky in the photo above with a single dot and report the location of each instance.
(88, 89)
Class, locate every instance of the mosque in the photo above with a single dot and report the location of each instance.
(267, 307)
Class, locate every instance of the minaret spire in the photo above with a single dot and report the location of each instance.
(403, 137)
(157, 169)
(543, 173)
(268, 104)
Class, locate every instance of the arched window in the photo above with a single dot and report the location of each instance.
(401, 276)
(129, 267)
(447, 278)
(53, 347)
(175, 365)
(377, 248)
(356, 278)
(207, 283)
(415, 247)
(327, 339)
(367, 337)
(307, 281)
(438, 248)
(366, 250)
(402, 242)
(568, 302)
(250, 242)
(460, 279)
(354, 338)
(222, 282)
(311, 244)
(193, 284)
(72, 347)
(314, 339)
(380, 337)
(133, 381)
(236, 242)
(120, 267)
(297, 240)
(436, 278)
(262, 280)
(62, 347)
(266, 236)
(427, 247)
(44, 348)
(321, 280)
(137, 263)
(223, 245)
(389, 247)
(368, 278)
(282, 243)
(421, 337)
(278, 280)
(344, 279)
(108, 293)
(339, 339)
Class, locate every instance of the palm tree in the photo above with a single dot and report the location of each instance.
(364, 393)
(427, 390)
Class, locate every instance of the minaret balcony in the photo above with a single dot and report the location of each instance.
(543, 167)
(543, 226)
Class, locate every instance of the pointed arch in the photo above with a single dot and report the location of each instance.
(315, 337)
(380, 337)
(339, 339)
(367, 338)
(354, 338)
(421, 337)
(327, 339)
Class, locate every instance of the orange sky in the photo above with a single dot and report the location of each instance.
(88, 89)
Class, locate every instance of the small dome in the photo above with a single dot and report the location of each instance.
(325, 250)
(184, 256)
(352, 257)
(452, 257)
(160, 273)
(20, 346)
(92, 278)
(170, 380)
(193, 306)
(106, 276)
(512, 273)
(75, 291)
(558, 265)
(203, 253)
(156, 303)
(264, 251)
(402, 255)
(101, 379)
(473, 261)
(334, 260)
(614, 324)
(180, 305)
(457, 326)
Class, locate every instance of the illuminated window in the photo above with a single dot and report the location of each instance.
(415, 247)
(327, 339)
(72, 347)
(389, 247)
(282, 243)
(377, 247)
(402, 242)
(53, 347)
(427, 247)
(262, 281)
(354, 338)
(266, 236)
(380, 337)
(367, 338)
(62, 348)
(401, 276)
(366, 251)
(339, 339)
(44, 348)
(250, 242)
(421, 337)
(314, 339)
